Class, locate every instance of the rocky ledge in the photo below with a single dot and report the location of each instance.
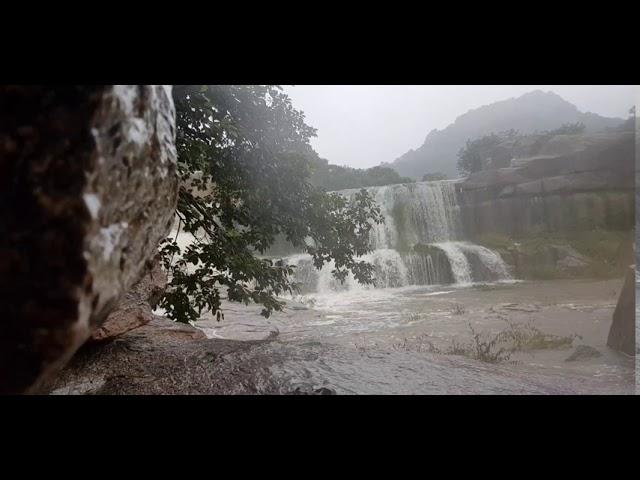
(164, 357)
(168, 358)
(567, 182)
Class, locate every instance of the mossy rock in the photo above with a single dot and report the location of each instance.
(539, 255)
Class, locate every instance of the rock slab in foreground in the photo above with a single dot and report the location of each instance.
(88, 187)
(622, 335)
(583, 352)
(164, 357)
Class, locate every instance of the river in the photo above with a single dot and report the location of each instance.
(378, 342)
(413, 332)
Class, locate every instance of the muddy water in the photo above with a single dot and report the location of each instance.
(374, 341)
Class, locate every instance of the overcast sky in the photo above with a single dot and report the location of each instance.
(364, 125)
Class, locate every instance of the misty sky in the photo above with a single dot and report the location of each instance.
(364, 125)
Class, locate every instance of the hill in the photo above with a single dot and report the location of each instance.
(531, 112)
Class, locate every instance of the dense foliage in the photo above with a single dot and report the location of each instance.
(334, 177)
(244, 160)
(432, 177)
(471, 156)
(567, 129)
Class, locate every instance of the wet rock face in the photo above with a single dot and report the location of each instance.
(135, 307)
(583, 352)
(88, 187)
(191, 364)
(622, 335)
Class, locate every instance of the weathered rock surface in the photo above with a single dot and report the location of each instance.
(567, 154)
(493, 178)
(572, 182)
(622, 335)
(308, 390)
(568, 182)
(88, 187)
(562, 259)
(135, 308)
(164, 357)
(583, 352)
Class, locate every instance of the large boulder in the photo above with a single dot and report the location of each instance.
(88, 187)
(583, 352)
(622, 334)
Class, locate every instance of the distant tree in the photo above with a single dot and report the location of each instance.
(334, 177)
(244, 161)
(471, 156)
(379, 176)
(433, 177)
(567, 129)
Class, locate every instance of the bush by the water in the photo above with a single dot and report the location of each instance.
(330, 177)
(491, 347)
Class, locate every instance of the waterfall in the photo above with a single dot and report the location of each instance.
(421, 212)
(460, 268)
(390, 271)
(488, 259)
(429, 262)
(489, 264)
(420, 243)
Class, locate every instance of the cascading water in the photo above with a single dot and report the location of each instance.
(460, 268)
(487, 259)
(415, 213)
(462, 256)
(429, 269)
(420, 243)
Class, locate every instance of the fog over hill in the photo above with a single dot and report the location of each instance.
(533, 111)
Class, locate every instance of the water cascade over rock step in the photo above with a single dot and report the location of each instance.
(435, 264)
(421, 242)
(415, 213)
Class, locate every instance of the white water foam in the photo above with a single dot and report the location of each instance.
(460, 268)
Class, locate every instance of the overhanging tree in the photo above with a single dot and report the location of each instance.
(244, 162)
